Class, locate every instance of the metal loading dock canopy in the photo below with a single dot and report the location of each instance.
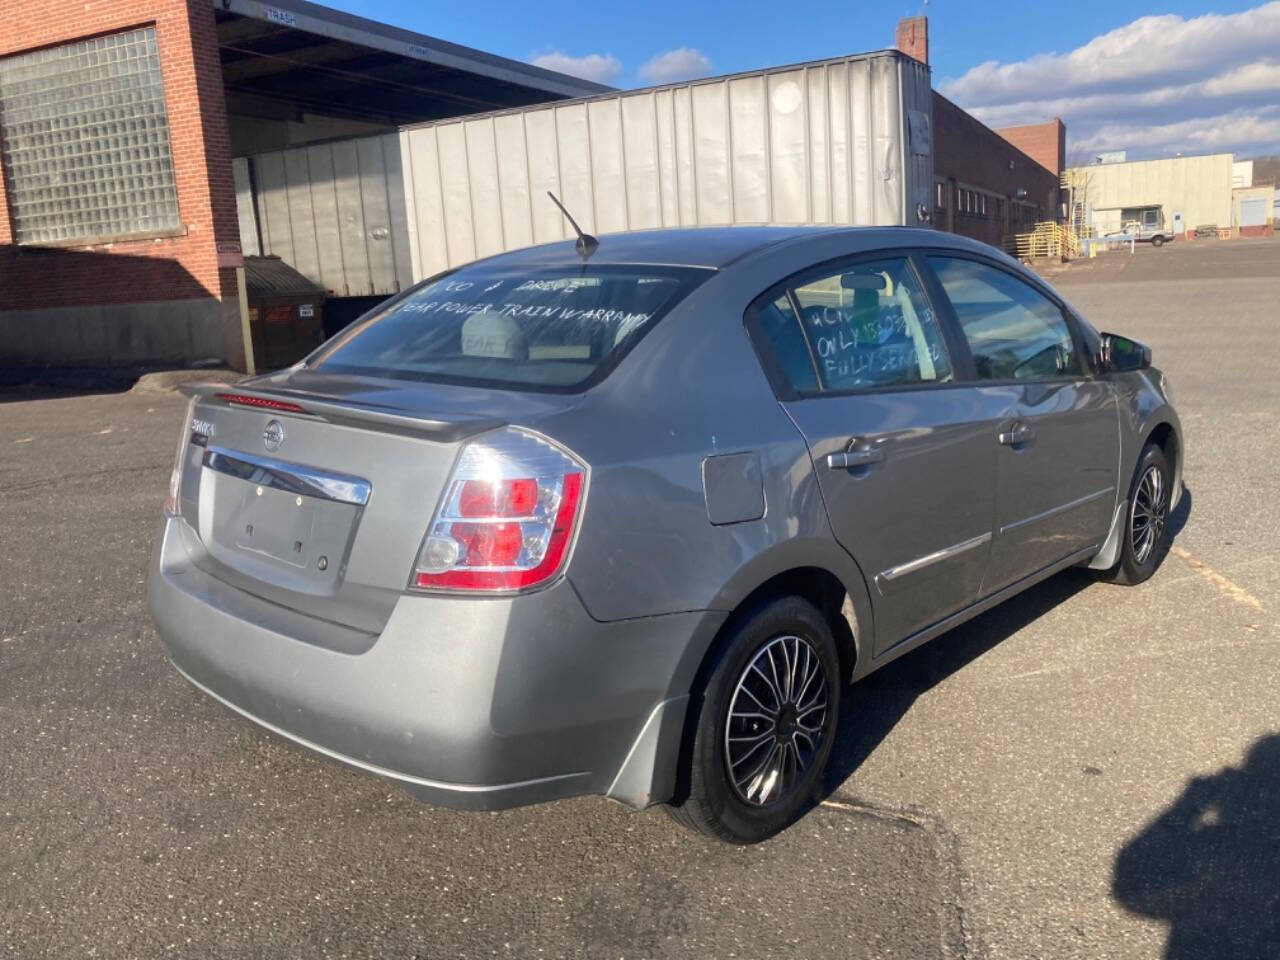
(288, 56)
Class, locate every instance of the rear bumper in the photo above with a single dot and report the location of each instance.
(470, 703)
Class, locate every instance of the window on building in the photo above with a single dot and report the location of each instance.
(85, 140)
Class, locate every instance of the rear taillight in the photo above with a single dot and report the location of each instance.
(507, 517)
(175, 475)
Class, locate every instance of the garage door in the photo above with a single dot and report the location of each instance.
(1253, 212)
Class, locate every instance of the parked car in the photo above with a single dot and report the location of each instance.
(1148, 227)
(628, 519)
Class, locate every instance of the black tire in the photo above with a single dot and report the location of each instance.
(1141, 553)
(1157, 241)
(790, 630)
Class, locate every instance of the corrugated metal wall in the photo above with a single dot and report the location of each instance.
(334, 211)
(842, 141)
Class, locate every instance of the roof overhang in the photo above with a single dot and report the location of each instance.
(324, 60)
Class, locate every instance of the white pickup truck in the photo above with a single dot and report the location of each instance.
(1144, 225)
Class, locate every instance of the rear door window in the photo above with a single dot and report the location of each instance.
(863, 326)
(557, 330)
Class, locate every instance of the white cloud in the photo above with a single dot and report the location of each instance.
(683, 63)
(1256, 131)
(1160, 84)
(601, 68)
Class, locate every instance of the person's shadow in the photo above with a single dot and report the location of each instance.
(1209, 866)
(872, 708)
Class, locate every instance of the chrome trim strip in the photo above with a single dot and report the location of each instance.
(893, 573)
(984, 604)
(292, 477)
(1062, 508)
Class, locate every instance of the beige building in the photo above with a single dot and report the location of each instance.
(1188, 192)
(1251, 210)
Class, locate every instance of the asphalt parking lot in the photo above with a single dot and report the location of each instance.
(1088, 771)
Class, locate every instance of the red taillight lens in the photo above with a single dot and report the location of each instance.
(507, 518)
(489, 544)
(498, 498)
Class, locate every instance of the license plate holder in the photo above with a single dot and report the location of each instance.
(295, 540)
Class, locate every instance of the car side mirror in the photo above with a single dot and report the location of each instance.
(1121, 355)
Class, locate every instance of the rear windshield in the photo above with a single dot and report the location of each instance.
(561, 329)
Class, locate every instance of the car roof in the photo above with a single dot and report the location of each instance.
(718, 247)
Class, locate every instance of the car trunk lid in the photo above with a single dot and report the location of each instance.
(314, 491)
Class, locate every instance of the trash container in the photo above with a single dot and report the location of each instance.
(285, 312)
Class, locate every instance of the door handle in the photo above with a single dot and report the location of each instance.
(855, 458)
(1020, 434)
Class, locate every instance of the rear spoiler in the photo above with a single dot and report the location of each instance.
(337, 411)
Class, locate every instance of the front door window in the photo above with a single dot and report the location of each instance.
(1014, 331)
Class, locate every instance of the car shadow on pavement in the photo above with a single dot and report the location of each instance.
(872, 708)
(1209, 865)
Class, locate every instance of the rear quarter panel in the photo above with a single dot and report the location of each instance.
(691, 389)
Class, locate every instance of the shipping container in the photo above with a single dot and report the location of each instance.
(843, 141)
(335, 212)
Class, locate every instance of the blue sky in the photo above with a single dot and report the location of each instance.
(1205, 77)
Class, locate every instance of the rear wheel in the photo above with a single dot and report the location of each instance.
(1157, 241)
(1146, 533)
(765, 723)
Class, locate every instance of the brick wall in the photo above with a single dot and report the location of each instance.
(969, 154)
(165, 268)
(1045, 143)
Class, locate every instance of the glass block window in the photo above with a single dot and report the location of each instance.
(85, 140)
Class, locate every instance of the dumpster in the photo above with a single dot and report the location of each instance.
(285, 312)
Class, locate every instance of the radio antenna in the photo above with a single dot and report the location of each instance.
(586, 244)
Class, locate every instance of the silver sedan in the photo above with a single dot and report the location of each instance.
(627, 517)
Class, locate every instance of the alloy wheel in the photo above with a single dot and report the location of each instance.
(777, 717)
(1149, 514)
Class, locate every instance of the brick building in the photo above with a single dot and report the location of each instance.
(1045, 143)
(984, 186)
(119, 120)
(103, 285)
